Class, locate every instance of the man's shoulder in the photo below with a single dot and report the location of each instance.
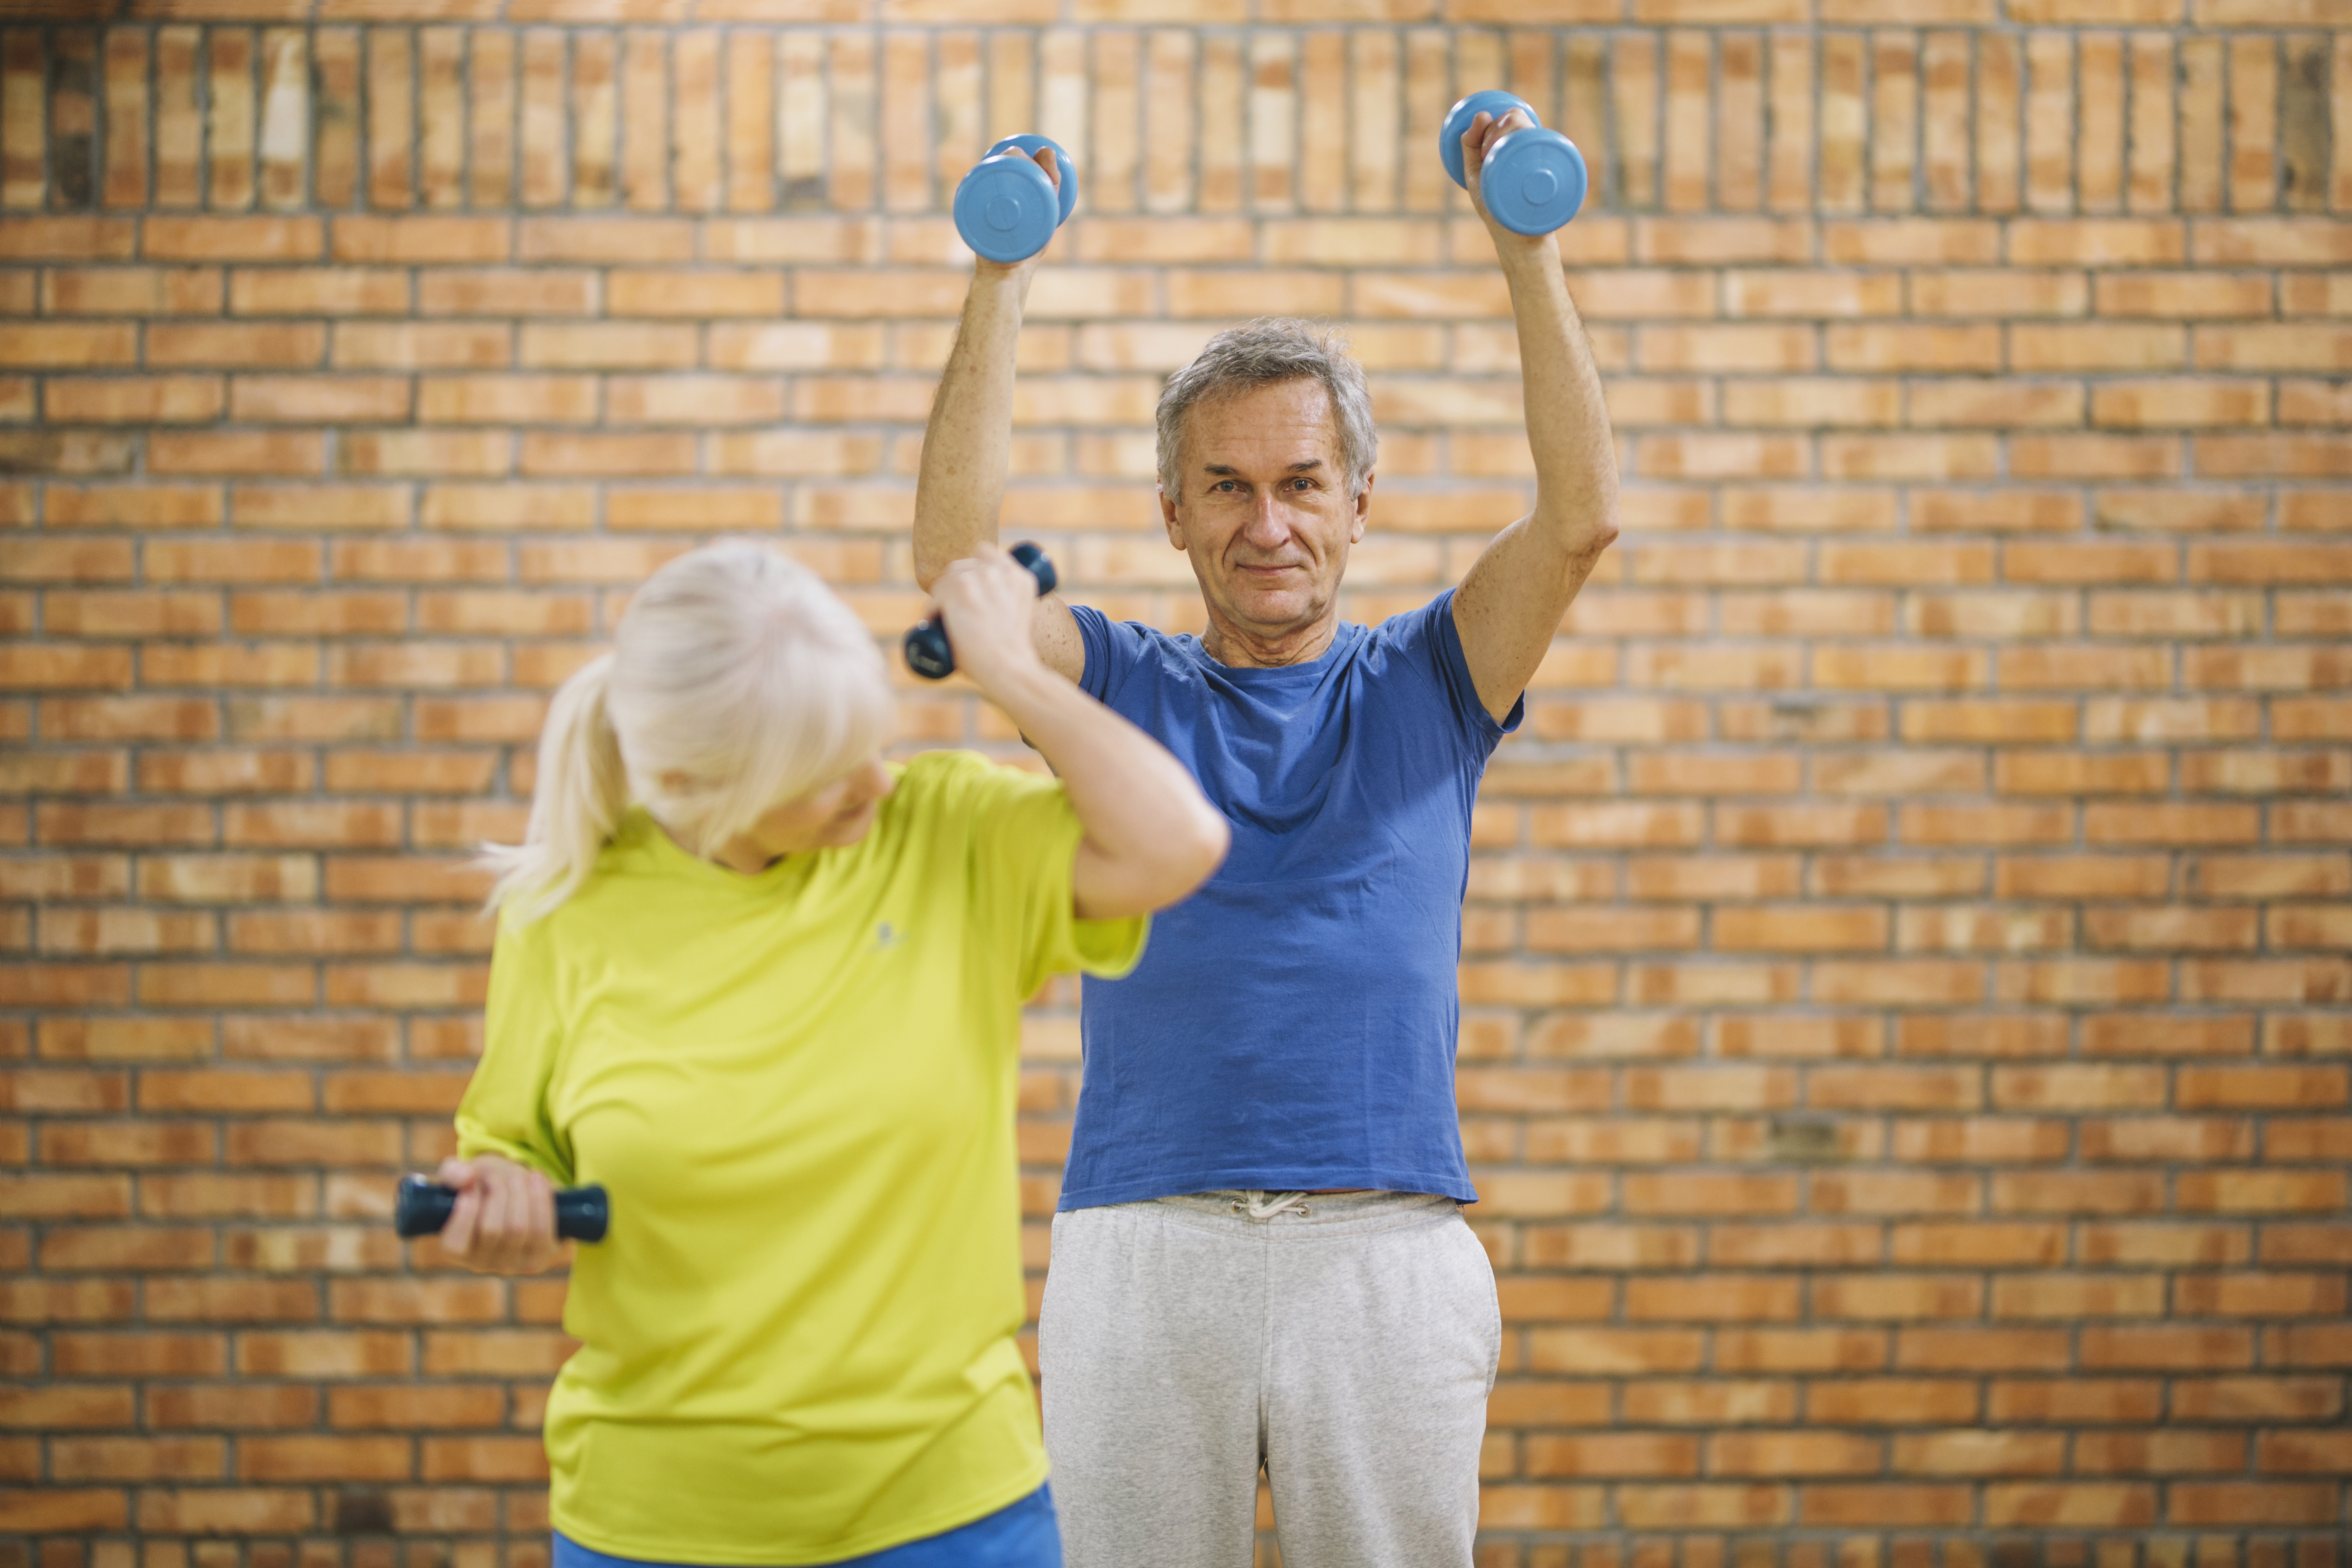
(1093, 619)
(1115, 649)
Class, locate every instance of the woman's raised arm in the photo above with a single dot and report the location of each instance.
(1150, 836)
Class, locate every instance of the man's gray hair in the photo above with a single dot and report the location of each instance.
(1265, 352)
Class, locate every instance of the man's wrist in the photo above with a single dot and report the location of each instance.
(994, 276)
(1531, 262)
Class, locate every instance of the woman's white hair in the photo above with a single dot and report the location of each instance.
(737, 682)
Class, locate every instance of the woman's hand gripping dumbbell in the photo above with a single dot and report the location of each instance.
(1008, 207)
(499, 1217)
(1532, 179)
(929, 652)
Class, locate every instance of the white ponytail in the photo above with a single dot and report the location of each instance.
(737, 682)
(583, 790)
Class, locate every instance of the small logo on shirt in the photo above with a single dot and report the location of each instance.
(886, 937)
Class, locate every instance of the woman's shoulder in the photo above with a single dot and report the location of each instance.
(945, 773)
(615, 885)
(936, 786)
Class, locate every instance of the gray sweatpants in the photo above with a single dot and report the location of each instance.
(1349, 1349)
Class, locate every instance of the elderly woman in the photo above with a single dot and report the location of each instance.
(766, 989)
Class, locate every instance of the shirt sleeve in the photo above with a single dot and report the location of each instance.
(1024, 840)
(1112, 649)
(1429, 640)
(505, 1110)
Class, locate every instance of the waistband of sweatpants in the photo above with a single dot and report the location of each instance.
(1327, 1214)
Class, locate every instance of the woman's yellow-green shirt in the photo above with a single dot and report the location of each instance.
(798, 1087)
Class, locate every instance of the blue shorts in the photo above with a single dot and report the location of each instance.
(1022, 1535)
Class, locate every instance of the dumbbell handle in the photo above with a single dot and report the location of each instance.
(929, 653)
(422, 1207)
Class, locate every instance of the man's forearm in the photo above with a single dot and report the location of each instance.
(969, 440)
(1567, 417)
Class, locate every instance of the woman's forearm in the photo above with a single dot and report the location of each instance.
(1150, 836)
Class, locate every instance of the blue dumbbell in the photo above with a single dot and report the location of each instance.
(929, 652)
(421, 1206)
(1006, 208)
(1533, 180)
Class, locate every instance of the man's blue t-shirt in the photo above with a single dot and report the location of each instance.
(1292, 1025)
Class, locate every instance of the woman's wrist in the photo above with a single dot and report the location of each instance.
(1016, 681)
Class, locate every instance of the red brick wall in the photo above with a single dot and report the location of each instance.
(1909, 1017)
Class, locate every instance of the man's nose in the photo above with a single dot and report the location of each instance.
(1267, 526)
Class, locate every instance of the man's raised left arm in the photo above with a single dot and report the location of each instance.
(1510, 604)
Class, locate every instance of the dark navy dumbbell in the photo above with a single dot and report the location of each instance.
(929, 653)
(1533, 179)
(422, 1207)
(1007, 208)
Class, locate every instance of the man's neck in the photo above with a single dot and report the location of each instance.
(1237, 647)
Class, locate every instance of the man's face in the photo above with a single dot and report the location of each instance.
(1263, 507)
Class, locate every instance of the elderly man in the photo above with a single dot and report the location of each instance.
(1260, 1258)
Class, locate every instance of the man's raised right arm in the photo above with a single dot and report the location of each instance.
(969, 443)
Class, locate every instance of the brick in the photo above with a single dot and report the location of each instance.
(319, 399)
(1980, 1349)
(225, 1510)
(2251, 1502)
(291, 452)
(235, 345)
(508, 291)
(2181, 294)
(1914, 348)
(2260, 1087)
(2102, 1400)
(1896, 1297)
(2180, 402)
(1967, 1452)
(420, 239)
(443, 1407)
(31, 237)
(2300, 346)
(421, 345)
(2158, 1243)
(2257, 1399)
(2107, 242)
(496, 399)
(606, 345)
(232, 239)
(2096, 346)
(313, 1457)
(64, 1508)
(2005, 292)
(1792, 1454)
(1632, 1455)
(130, 291)
(42, 345)
(1979, 1243)
(324, 291)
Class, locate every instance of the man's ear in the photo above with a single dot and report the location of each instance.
(1167, 519)
(1363, 508)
